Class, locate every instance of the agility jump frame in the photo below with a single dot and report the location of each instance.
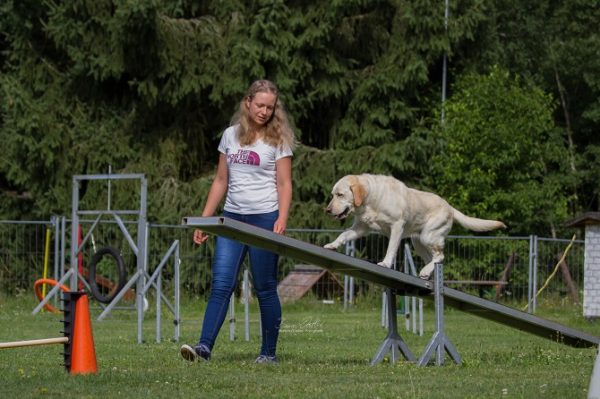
(143, 281)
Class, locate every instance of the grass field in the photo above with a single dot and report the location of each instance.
(324, 352)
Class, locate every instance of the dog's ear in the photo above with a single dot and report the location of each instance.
(359, 193)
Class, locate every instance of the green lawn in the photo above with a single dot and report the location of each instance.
(324, 351)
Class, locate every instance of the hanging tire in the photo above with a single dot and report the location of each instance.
(93, 280)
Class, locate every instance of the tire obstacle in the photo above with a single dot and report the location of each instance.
(398, 283)
(79, 352)
(94, 281)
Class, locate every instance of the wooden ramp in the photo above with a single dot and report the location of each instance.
(401, 282)
(305, 278)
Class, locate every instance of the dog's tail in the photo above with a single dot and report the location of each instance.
(475, 224)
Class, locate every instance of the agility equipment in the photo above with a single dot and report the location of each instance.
(395, 280)
(120, 264)
(83, 353)
(144, 279)
(39, 288)
(79, 351)
(46, 259)
(34, 342)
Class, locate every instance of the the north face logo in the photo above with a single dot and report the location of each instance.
(246, 157)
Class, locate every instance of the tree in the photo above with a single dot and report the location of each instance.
(148, 86)
(500, 155)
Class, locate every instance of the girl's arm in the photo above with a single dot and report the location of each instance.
(215, 195)
(284, 193)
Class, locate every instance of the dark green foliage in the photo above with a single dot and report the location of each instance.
(498, 149)
(148, 86)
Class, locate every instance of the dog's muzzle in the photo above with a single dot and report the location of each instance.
(343, 215)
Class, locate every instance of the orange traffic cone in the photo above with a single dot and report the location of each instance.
(83, 354)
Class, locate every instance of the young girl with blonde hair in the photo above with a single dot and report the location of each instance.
(254, 175)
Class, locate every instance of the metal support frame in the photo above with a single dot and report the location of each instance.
(232, 317)
(139, 246)
(393, 342)
(412, 315)
(532, 280)
(440, 341)
(246, 299)
(349, 280)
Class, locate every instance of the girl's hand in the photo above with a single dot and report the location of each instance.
(279, 226)
(199, 237)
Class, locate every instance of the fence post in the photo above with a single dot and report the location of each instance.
(63, 244)
(532, 281)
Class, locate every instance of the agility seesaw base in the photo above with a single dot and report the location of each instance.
(398, 282)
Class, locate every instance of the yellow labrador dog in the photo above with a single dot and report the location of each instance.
(385, 204)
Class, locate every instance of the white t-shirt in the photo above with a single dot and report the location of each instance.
(252, 174)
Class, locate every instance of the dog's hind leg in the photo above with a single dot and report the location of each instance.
(420, 249)
(432, 248)
(433, 238)
(438, 257)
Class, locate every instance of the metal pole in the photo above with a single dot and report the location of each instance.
(176, 265)
(142, 255)
(445, 63)
(349, 281)
(532, 283)
(420, 317)
(384, 320)
(55, 222)
(63, 243)
(439, 342)
(345, 291)
(246, 285)
(56, 225)
(535, 273)
(530, 276)
(109, 181)
(158, 299)
(232, 317)
(414, 312)
(74, 225)
(407, 315)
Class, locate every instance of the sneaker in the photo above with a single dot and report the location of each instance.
(264, 359)
(198, 352)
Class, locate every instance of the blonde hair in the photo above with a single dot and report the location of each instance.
(277, 131)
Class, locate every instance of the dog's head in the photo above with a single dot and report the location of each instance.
(348, 193)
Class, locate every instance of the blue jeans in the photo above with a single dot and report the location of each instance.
(228, 257)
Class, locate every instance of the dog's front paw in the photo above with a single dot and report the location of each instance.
(425, 274)
(331, 245)
(382, 263)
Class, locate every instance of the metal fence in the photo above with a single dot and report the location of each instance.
(506, 269)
